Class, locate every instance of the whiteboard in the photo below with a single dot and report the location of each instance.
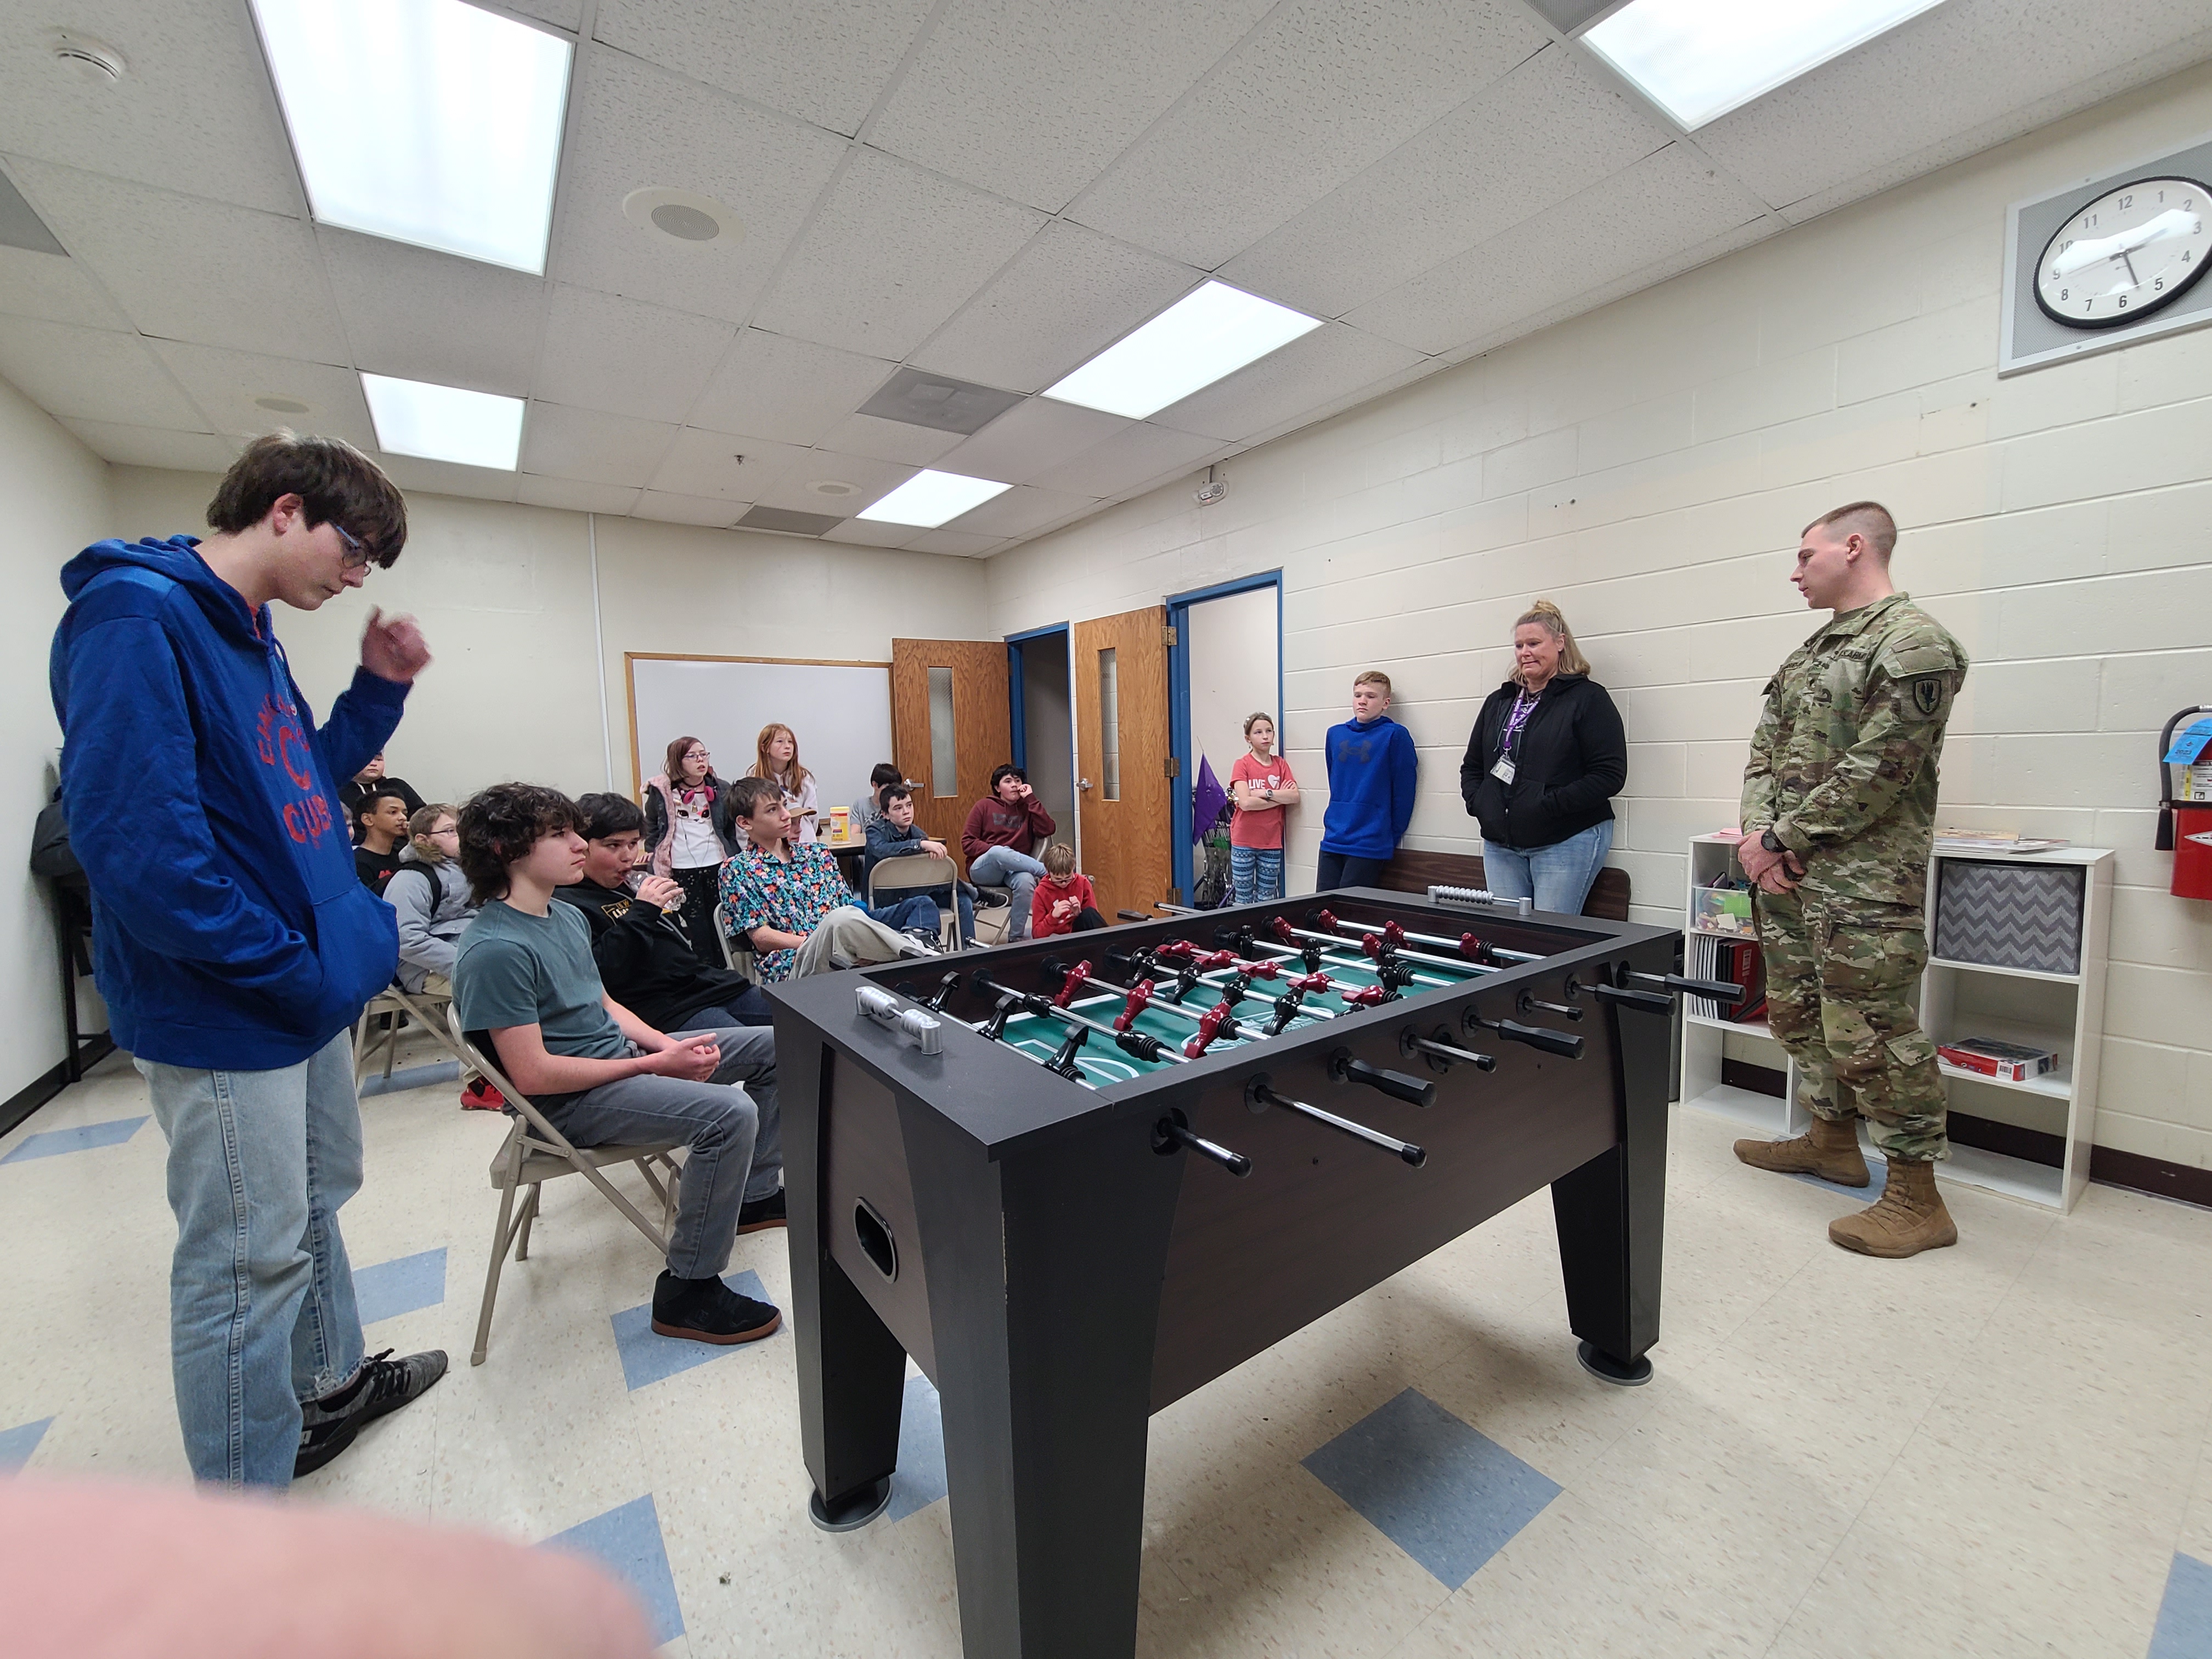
(839, 712)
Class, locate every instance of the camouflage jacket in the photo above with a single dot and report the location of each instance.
(1843, 765)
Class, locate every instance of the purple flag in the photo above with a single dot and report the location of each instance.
(1207, 800)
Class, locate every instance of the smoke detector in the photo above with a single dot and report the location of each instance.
(1212, 489)
(92, 61)
(682, 217)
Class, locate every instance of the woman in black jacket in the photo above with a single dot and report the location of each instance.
(1547, 756)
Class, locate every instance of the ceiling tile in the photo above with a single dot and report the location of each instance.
(1324, 90)
(428, 316)
(1332, 361)
(1550, 129)
(194, 111)
(1667, 201)
(689, 509)
(1020, 511)
(1138, 455)
(1068, 295)
(859, 533)
(146, 446)
(1033, 102)
(21, 227)
(893, 252)
(225, 384)
(890, 441)
(55, 290)
(586, 444)
(93, 374)
(790, 391)
(412, 472)
(1949, 70)
(185, 268)
(824, 60)
(706, 465)
(562, 14)
(1031, 437)
(626, 357)
(788, 521)
(943, 403)
(612, 500)
(959, 543)
(796, 474)
(638, 125)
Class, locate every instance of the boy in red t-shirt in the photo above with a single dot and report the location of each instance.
(1064, 902)
(1260, 787)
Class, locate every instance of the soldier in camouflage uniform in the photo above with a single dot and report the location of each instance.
(1838, 816)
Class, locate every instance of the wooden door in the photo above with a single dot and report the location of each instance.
(973, 672)
(1122, 789)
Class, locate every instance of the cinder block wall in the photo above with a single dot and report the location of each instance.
(1649, 466)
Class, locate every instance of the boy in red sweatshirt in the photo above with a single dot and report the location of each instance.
(1064, 902)
(997, 837)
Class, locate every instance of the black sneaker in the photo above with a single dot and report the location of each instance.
(759, 1214)
(925, 941)
(328, 1425)
(988, 898)
(708, 1310)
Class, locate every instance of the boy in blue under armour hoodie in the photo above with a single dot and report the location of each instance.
(1372, 772)
(233, 942)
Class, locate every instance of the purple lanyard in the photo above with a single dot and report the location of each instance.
(1523, 706)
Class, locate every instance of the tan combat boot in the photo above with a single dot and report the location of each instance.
(1907, 1218)
(1831, 1151)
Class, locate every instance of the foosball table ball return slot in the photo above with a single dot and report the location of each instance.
(1074, 1191)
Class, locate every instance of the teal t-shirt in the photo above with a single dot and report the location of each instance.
(514, 968)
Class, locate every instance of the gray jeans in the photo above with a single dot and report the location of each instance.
(735, 1134)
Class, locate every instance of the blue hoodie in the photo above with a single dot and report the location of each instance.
(1372, 767)
(230, 932)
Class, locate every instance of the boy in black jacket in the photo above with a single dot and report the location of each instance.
(644, 955)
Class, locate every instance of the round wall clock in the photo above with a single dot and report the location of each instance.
(2122, 257)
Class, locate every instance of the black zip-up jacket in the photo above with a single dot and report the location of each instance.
(1570, 761)
(646, 962)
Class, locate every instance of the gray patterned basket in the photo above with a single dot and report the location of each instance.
(2006, 915)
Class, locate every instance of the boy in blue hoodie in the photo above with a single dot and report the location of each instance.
(1372, 770)
(236, 949)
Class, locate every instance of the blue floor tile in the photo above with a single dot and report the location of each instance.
(2184, 1616)
(410, 1077)
(392, 1288)
(16, 1444)
(51, 1143)
(649, 1358)
(627, 1542)
(919, 1479)
(1448, 1496)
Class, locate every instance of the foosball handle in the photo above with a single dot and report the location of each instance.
(1720, 990)
(1651, 1002)
(1551, 1043)
(1172, 1132)
(1414, 1091)
(1562, 1010)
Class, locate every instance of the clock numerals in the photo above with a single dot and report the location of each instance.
(2129, 252)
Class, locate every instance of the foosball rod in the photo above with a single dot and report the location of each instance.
(1138, 1045)
(1159, 973)
(1344, 957)
(993, 1029)
(1218, 1024)
(1355, 997)
(1258, 1094)
(1458, 964)
(1677, 984)
(1329, 918)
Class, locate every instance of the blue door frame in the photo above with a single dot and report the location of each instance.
(1020, 722)
(1179, 737)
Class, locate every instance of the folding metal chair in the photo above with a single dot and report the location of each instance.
(914, 874)
(425, 1008)
(535, 1152)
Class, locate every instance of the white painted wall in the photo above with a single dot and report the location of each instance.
(1650, 466)
(53, 498)
(1233, 663)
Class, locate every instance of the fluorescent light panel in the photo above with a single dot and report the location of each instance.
(424, 121)
(444, 423)
(1211, 331)
(931, 498)
(1698, 59)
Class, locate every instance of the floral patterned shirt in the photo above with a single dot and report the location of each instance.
(792, 896)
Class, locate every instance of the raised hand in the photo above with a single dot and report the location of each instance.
(392, 648)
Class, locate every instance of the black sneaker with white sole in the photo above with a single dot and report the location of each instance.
(328, 1425)
(923, 941)
(708, 1310)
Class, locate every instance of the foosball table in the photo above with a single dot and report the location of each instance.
(1077, 1178)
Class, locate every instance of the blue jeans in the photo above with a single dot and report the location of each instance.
(1557, 876)
(1002, 866)
(735, 1134)
(1255, 874)
(261, 1306)
(1337, 870)
(920, 911)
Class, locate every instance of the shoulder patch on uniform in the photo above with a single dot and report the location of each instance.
(1927, 691)
(1903, 660)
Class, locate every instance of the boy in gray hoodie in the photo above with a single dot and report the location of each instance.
(430, 898)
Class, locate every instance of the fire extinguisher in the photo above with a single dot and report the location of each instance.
(2184, 827)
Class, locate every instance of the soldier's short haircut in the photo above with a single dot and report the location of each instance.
(1869, 519)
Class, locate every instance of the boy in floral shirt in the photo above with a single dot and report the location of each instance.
(791, 901)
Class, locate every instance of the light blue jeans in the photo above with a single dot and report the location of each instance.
(1557, 876)
(1002, 866)
(261, 1308)
(1255, 874)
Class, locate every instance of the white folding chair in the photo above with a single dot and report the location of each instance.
(535, 1152)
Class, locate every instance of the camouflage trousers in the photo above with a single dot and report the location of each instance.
(1840, 976)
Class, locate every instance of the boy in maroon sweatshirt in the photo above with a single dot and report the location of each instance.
(1001, 828)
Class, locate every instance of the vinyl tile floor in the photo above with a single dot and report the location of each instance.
(1996, 1450)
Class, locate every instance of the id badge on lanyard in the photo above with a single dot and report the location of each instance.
(1503, 770)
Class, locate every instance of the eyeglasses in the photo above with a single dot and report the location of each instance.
(356, 551)
(699, 754)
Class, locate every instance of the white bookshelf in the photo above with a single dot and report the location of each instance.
(2061, 1011)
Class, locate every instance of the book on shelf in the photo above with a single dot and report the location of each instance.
(1997, 841)
(2009, 1062)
